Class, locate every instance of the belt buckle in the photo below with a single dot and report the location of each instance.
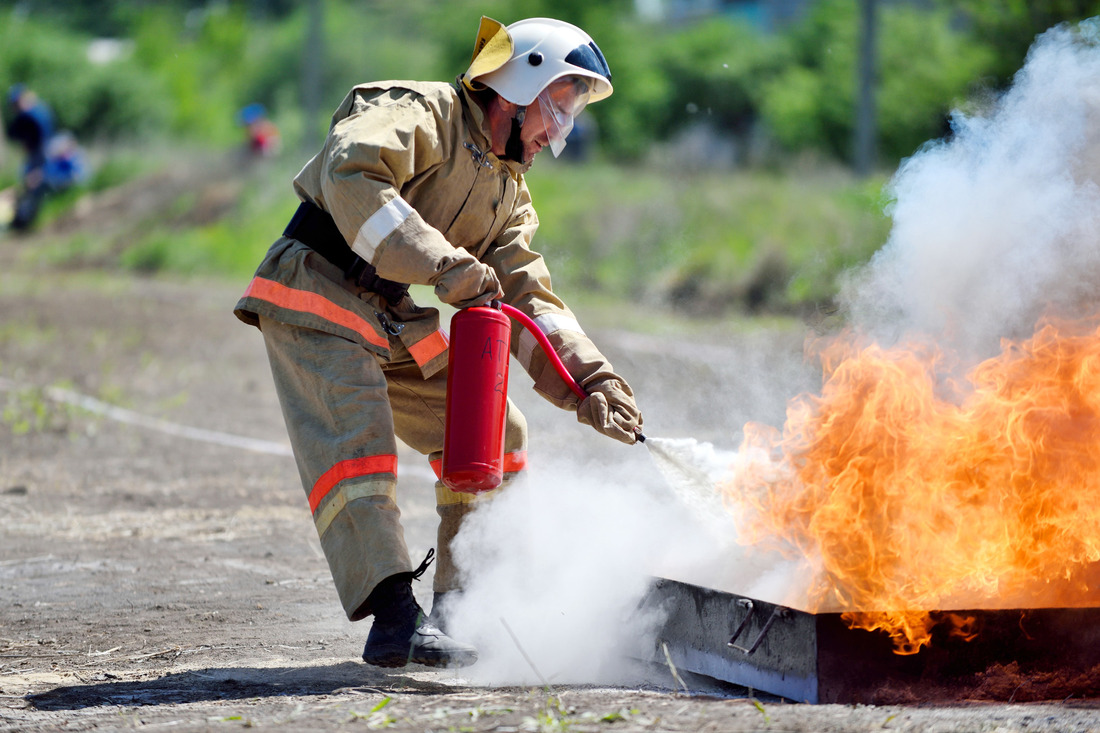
(393, 329)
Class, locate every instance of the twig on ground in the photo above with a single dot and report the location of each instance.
(672, 668)
(528, 659)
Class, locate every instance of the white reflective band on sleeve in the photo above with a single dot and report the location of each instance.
(379, 226)
(547, 324)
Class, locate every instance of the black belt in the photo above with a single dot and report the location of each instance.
(314, 227)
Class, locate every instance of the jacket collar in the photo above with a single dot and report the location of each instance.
(478, 123)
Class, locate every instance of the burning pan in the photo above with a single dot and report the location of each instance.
(817, 658)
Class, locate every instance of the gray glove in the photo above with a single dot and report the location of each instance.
(465, 281)
(611, 410)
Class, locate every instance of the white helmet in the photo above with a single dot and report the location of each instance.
(543, 51)
(522, 61)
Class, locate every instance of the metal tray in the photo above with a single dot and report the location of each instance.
(817, 658)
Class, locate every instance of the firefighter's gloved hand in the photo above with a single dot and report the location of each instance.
(464, 282)
(611, 410)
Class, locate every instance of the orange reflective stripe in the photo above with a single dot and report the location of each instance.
(429, 347)
(350, 469)
(305, 301)
(513, 463)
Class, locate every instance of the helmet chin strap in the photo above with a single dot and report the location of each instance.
(513, 149)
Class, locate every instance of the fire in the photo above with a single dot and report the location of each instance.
(911, 490)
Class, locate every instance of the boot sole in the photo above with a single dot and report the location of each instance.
(395, 658)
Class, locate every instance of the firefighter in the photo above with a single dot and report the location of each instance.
(421, 183)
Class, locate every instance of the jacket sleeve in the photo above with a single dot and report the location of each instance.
(385, 140)
(525, 280)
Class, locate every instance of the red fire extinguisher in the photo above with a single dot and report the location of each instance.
(477, 394)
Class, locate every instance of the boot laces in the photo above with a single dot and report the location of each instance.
(423, 567)
(393, 602)
(421, 617)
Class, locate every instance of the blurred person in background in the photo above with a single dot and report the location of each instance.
(54, 161)
(421, 183)
(31, 127)
(263, 136)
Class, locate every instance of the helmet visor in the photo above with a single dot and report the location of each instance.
(559, 104)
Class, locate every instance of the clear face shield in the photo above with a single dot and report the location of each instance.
(559, 104)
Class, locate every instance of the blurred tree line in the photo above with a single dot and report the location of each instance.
(181, 68)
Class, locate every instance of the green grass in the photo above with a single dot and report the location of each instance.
(757, 242)
(231, 245)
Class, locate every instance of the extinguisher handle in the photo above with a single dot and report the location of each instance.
(544, 342)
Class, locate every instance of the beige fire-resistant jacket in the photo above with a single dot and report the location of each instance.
(408, 176)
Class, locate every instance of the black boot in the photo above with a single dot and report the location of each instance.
(441, 609)
(401, 632)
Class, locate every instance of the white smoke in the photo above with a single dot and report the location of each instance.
(998, 223)
(556, 567)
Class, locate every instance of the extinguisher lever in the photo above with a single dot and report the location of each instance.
(544, 342)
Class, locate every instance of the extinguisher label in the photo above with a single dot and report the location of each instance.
(501, 349)
(496, 350)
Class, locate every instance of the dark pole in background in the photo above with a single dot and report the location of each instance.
(866, 77)
(313, 60)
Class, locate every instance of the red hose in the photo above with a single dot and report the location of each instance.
(545, 344)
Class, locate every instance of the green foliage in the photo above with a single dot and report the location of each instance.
(375, 718)
(29, 410)
(1009, 26)
(760, 709)
(754, 240)
(105, 99)
(117, 168)
(925, 68)
(628, 130)
(232, 245)
(552, 717)
(708, 242)
(194, 64)
(714, 70)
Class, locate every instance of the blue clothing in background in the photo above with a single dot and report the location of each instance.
(33, 128)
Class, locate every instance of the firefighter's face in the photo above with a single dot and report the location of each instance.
(546, 122)
(550, 119)
(533, 134)
(558, 105)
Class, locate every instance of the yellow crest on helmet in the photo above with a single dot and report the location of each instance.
(492, 50)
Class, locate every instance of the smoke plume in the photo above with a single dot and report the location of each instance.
(556, 567)
(998, 223)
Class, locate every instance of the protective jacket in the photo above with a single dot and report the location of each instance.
(408, 178)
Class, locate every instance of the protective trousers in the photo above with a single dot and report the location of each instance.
(344, 409)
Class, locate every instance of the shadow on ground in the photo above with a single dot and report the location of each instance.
(234, 683)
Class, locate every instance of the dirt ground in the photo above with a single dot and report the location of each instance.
(153, 576)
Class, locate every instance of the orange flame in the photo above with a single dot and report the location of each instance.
(915, 492)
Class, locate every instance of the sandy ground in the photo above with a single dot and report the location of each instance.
(158, 580)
